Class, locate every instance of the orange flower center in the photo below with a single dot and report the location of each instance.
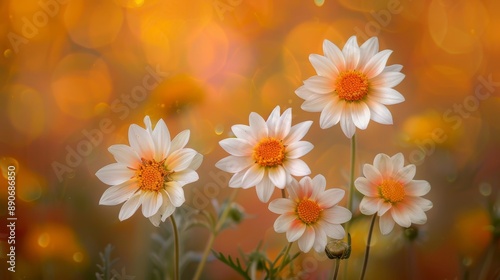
(269, 152)
(351, 85)
(391, 191)
(152, 175)
(308, 211)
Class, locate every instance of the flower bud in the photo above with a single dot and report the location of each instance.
(339, 249)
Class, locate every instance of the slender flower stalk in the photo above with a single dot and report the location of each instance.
(176, 248)
(285, 255)
(351, 178)
(368, 243)
(336, 271)
(213, 234)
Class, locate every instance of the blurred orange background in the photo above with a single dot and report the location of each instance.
(75, 74)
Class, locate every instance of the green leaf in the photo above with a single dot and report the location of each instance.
(235, 266)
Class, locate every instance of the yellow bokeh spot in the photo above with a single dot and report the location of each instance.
(8, 164)
(78, 257)
(44, 240)
(80, 82)
(26, 111)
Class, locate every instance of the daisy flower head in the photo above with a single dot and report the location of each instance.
(352, 86)
(265, 154)
(150, 172)
(311, 213)
(390, 191)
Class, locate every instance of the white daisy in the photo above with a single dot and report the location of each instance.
(390, 191)
(266, 153)
(150, 172)
(310, 214)
(352, 85)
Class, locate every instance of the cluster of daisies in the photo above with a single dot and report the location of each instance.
(352, 87)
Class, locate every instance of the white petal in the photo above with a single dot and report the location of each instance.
(258, 126)
(180, 159)
(415, 213)
(364, 186)
(283, 222)
(337, 215)
(384, 164)
(417, 188)
(320, 239)
(169, 210)
(383, 207)
(298, 149)
(185, 176)
(347, 124)
(179, 141)
(331, 113)
(379, 113)
(351, 53)
(376, 64)
(322, 65)
(117, 194)
(252, 176)
(398, 161)
(305, 188)
(114, 174)
(236, 179)
(125, 154)
(367, 50)
(319, 183)
(264, 189)
(406, 174)
(161, 140)
(293, 188)
(175, 194)
(305, 93)
(386, 223)
(369, 205)
(130, 206)
(306, 241)
(284, 125)
(140, 140)
(400, 216)
(387, 79)
(393, 68)
(197, 160)
(149, 126)
(277, 175)
(156, 219)
(333, 53)
(371, 173)
(151, 202)
(236, 146)
(386, 96)
(319, 84)
(423, 203)
(273, 121)
(360, 114)
(297, 132)
(233, 164)
(295, 231)
(332, 230)
(281, 206)
(244, 132)
(297, 167)
(330, 197)
(316, 103)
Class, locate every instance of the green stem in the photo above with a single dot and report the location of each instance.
(213, 234)
(176, 248)
(367, 252)
(285, 255)
(350, 195)
(351, 177)
(337, 264)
